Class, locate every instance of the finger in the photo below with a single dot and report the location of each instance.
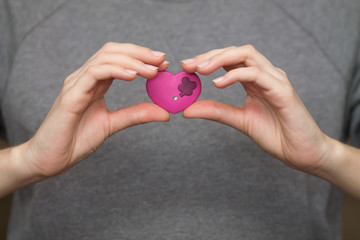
(164, 66)
(77, 96)
(216, 111)
(146, 55)
(276, 92)
(72, 76)
(261, 79)
(189, 65)
(136, 114)
(143, 54)
(125, 61)
(87, 82)
(245, 55)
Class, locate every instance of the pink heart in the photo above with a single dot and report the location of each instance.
(174, 93)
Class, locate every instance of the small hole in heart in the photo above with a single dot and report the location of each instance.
(175, 98)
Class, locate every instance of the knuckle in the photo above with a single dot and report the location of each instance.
(287, 92)
(250, 50)
(68, 79)
(128, 45)
(108, 45)
(216, 50)
(91, 70)
(250, 47)
(232, 47)
(102, 55)
(197, 58)
(282, 72)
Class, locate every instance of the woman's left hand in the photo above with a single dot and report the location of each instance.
(273, 115)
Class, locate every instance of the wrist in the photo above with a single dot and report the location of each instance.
(335, 167)
(330, 159)
(19, 161)
(13, 170)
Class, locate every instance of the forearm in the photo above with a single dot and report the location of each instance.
(343, 168)
(14, 174)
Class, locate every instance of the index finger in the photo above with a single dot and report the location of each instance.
(143, 54)
(245, 55)
(189, 65)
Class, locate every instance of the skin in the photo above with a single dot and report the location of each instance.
(273, 116)
(79, 122)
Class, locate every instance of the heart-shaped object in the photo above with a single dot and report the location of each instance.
(174, 93)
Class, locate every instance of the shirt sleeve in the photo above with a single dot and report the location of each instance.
(7, 47)
(352, 117)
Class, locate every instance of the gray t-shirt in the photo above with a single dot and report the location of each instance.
(185, 179)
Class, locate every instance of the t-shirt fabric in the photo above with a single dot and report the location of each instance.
(187, 178)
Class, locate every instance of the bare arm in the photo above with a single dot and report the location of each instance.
(344, 167)
(12, 174)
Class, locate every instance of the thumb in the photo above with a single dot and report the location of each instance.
(136, 114)
(216, 111)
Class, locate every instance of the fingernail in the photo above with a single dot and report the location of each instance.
(157, 53)
(218, 79)
(131, 71)
(203, 64)
(190, 60)
(166, 62)
(151, 67)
